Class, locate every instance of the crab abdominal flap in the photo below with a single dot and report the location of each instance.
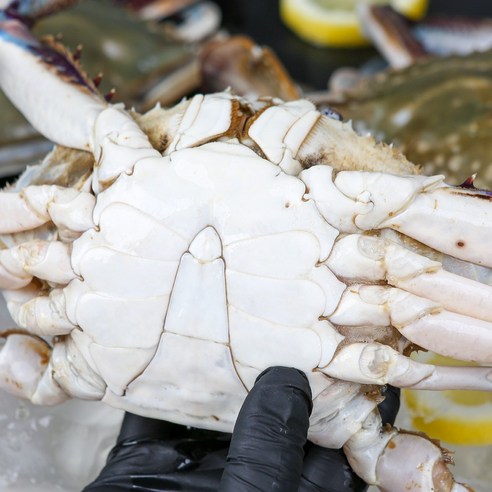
(198, 306)
(175, 380)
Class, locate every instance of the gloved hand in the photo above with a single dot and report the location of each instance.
(267, 452)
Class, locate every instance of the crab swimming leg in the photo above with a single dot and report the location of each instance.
(49, 88)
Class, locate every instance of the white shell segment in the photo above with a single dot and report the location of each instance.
(284, 301)
(155, 189)
(206, 246)
(120, 275)
(261, 344)
(119, 366)
(204, 118)
(331, 286)
(116, 322)
(178, 378)
(198, 306)
(289, 254)
(330, 339)
(212, 186)
(246, 373)
(148, 239)
(273, 125)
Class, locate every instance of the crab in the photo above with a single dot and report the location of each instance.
(171, 257)
(141, 62)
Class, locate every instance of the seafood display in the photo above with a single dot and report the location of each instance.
(437, 110)
(230, 224)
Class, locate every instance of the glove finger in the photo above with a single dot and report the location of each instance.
(327, 470)
(391, 405)
(137, 428)
(266, 452)
(153, 455)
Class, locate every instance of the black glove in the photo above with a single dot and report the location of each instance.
(268, 450)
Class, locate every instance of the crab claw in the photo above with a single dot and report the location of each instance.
(54, 84)
(32, 10)
(62, 103)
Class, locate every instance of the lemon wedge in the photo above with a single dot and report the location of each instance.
(334, 22)
(456, 417)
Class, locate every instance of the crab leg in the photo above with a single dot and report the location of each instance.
(32, 379)
(70, 210)
(36, 9)
(421, 321)
(455, 221)
(360, 258)
(30, 369)
(375, 454)
(47, 260)
(374, 363)
(64, 105)
(39, 314)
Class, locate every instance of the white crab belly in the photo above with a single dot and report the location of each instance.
(204, 270)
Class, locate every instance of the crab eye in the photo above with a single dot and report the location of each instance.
(331, 113)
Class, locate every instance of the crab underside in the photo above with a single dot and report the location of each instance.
(176, 255)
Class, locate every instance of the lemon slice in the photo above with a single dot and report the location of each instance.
(335, 22)
(456, 417)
